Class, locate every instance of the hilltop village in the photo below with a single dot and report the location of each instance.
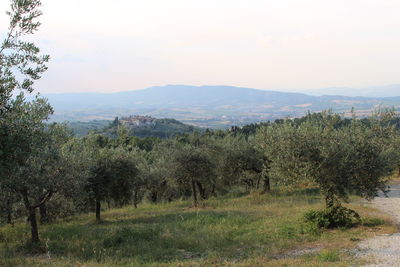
(138, 121)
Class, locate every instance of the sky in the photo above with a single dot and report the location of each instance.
(295, 45)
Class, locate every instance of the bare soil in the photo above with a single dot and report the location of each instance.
(384, 250)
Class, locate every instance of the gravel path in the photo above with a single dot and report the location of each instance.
(384, 249)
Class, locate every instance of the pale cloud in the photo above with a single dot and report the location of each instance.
(114, 45)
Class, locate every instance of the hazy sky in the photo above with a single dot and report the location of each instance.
(116, 45)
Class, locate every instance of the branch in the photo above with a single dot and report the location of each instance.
(44, 199)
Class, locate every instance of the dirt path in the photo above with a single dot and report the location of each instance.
(384, 249)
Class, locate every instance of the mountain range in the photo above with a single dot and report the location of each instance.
(372, 91)
(207, 106)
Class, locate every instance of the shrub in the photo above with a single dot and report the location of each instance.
(328, 256)
(333, 217)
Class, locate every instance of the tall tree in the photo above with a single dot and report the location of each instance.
(21, 123)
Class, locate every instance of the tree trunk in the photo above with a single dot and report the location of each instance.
(213, 189)
(135, 201)
(202, 191)
(9, 217)
(43, 214)
(32, 217)
(399, 170)
(154, 197)
(9, 212)
(194, 191)
(98, 208)
(251, 184)
(258, 182)
(248, 185)
(34, 226)
(331, 200)
(267, 185)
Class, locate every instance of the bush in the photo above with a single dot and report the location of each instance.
(329, 256)
(333, 217)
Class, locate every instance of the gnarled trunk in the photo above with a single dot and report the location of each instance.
(135, 199)
(32, 217)
(267, 185)
(258, 182)
(331, 200)
(399, 170)
(202, 191)
(9, 217)
(249, 184)
(98, 208)
(213, 190)
(194, 191)
(31, 208)
(34, 226)
(9, 212)
(154, 196)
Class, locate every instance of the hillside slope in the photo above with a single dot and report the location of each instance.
(251, 230)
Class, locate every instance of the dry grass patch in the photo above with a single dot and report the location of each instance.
(248, 230)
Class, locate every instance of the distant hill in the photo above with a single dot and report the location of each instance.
(161, 128)
(82, 128)
(373, 91)
(206, 106)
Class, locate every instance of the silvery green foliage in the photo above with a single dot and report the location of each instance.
(340, 160)
(20, 61)
(28, 166)
(20, 65)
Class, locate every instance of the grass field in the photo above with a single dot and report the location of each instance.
(247, 230)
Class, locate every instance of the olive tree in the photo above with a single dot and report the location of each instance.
(192, 168)
(20, 61)
(21, 123)
(339, 160)
(155, 172)
(244, 163)
(126, 183)
(103, 173)
(383, 123)
(37, 168)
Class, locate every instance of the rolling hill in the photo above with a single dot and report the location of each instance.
(206, 106)
(162, 128)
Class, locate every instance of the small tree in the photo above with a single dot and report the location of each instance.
(36, 168)
(43, 174)
(126, 183)
(155, 172)
(243, 163)
(99, 180)
(192, 167)
(111, 175)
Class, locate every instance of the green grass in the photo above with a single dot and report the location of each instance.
(250, 230)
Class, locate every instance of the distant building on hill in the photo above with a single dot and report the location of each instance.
(138, 121)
